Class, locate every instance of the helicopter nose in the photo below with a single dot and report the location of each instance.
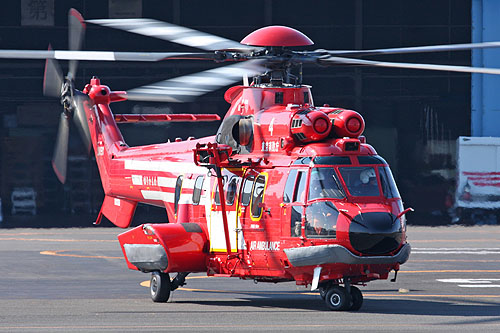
(375, 233)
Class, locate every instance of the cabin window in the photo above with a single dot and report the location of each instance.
(217, 196)
(198, 185)
(289, 186)
(177, 195)
(247, 190)
(324, 184)
(231, 191)
(258, 195)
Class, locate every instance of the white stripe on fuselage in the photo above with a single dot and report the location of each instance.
(167, 182)
(158, 195)
(165, 166)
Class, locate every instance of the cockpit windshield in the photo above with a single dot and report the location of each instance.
(361, 181)
(324, 184)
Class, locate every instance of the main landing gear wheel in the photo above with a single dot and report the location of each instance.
(356, 299)
(337, 298)
(160, 286)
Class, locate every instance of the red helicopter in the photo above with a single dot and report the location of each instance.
(284, 191)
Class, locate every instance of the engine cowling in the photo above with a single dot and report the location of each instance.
(346, 123)
(310, 125)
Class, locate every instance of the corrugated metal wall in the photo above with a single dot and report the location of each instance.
(485, 101)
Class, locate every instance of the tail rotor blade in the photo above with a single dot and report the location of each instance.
(80, 119)
(60, 157)
(52, 79)
(76, 33)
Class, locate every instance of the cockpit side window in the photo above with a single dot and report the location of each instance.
(289, 186)
(324, 184)
(389, 187)
(295, 195)
(300, 189)
(321, 220)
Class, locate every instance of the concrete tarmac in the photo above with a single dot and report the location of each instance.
(60, 280)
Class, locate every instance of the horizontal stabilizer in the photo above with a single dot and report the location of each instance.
(119, 211)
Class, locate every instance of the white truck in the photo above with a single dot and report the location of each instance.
(477, 196)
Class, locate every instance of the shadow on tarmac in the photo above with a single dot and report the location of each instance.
(442, 308)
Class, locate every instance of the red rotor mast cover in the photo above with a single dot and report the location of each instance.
(277, 35)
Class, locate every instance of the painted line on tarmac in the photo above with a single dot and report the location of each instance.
(456, 250)
(60, 254)
(479, 285)
(453, 240)
(454, 260)
(233, 326)
(472, 283)
(57, 240)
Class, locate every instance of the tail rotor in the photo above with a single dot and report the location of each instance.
(55, 85)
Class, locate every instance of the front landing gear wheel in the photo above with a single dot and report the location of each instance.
(160, 286)
(337, 298)
(356, 299)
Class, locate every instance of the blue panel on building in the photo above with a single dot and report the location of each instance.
(485, 93)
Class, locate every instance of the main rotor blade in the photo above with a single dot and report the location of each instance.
(104, 55)
(414, 49)
(173, 33)
(186, 88)
(52, 78)
(60, 157)
(76, 33)
(450, 68)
